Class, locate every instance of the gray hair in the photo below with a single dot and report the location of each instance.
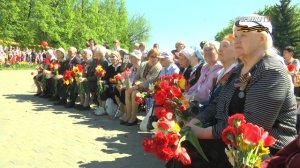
(214, 44)
(100, 49)
(88, 52)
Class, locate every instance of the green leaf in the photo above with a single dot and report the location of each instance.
(194, 140)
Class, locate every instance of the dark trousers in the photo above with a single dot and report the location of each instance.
(214, 151)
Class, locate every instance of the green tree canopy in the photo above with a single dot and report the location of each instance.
(64, 23)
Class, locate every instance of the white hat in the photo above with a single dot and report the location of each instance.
(254, 20)
(61, 50)
(165, 54)
(51, 52)
(136, 53)
(187, 52)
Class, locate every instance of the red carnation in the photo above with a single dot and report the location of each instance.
(176, 75)
(164, 85)
(164, 123)
(160, 141)
(169, 105)
(160, 112)
(182, 107)
(80, 67)
(183, 156)
(165, 153)
(173, 138)
(291, 67)
(139, 100)
(236, 120)
(148, 145)
(160, 97)
(251, 133)
(268, 139)
(228, 135)
(176, 91)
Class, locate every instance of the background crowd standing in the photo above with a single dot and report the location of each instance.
(10, 54)
(240, 74)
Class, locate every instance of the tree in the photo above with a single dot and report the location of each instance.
(228, 30)
(286, 25)
(139, 29)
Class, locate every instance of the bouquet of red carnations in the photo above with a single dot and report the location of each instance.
(247, 143)
(171, 109)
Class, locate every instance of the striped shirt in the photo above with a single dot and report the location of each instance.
(269, 102)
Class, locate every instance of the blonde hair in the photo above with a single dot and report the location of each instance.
(214, 44)
(117, 55)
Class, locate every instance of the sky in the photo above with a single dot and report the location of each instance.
(191, 21)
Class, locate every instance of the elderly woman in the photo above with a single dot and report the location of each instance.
(88, 72)
(61, 90)
(167, 62)
(184, 61)
(99, 54)
(179, 45)
(146, 74)
(209, 72)
(197, 62)
(135, 59)
(259, 88)
(227, 57)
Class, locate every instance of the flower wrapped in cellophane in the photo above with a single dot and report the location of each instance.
(77, 71)
(247, 142)
(100, 73)
(171, 109)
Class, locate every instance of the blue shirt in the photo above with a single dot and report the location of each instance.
(173, 68)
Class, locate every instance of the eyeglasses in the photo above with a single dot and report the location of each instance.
(258, 28)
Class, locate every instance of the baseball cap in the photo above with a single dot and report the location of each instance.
(136, 53)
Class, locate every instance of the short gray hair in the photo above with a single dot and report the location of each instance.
(100, 49)
(214, 44)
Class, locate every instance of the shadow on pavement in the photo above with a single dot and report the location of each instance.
(128, 142)
(124, 143)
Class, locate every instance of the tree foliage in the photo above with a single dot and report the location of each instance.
(66, 23)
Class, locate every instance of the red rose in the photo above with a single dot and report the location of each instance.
(291, 67)
(160, 97)
(160, 112)
(251, 133)
(183, 156)
(228, 135)
(118, 77)
(165, 153)
(160, 141)
(182, 107)
(148, 145)
(236, 119)
(139, 100)
(164, 123)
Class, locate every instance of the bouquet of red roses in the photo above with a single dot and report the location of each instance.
(247, 143)
(116, 79)
(171, 109)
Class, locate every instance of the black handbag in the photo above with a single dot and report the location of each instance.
(151, 119)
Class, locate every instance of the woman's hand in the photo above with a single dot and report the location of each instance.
(99, 82)
(57, 77)
(82, 79)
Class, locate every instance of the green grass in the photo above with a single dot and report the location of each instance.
(17, 66)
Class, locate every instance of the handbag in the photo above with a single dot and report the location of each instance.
(152, 118)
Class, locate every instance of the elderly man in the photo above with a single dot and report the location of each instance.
(167, 62)
(72, 59)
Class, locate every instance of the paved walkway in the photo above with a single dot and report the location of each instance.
(34, 133)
